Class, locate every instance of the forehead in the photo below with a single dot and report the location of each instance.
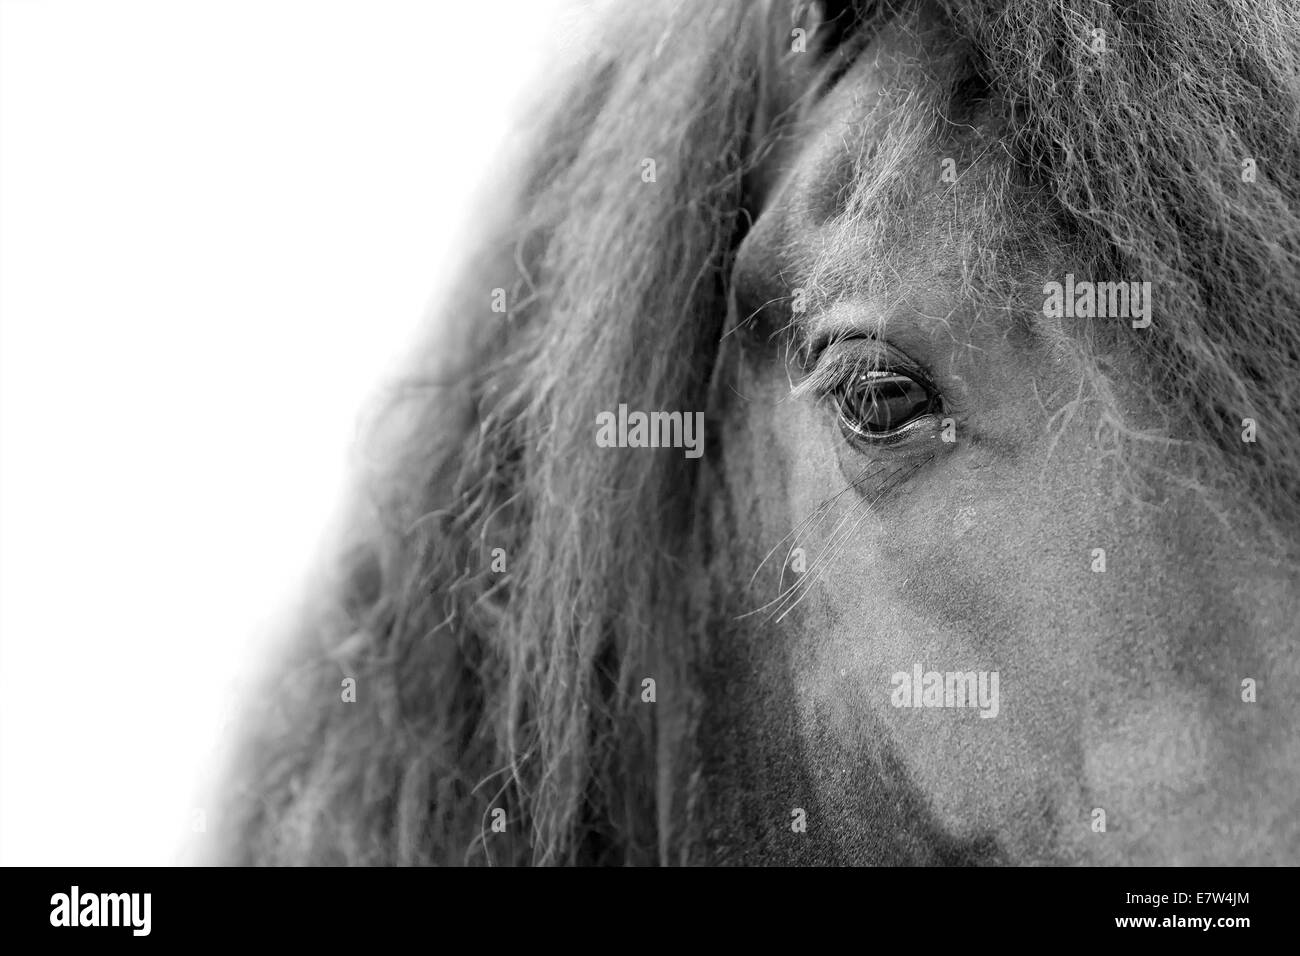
(890, 185)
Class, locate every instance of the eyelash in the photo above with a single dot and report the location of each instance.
(831, 379)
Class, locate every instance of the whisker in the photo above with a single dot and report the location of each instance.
(843, 531)
(818, 515)
(840, 536)
(820, 510)
(833, 549)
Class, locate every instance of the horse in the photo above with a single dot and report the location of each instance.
(990, 315)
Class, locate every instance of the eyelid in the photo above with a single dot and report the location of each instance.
(841, 43)
(898, 435)
(841, 358)
(837, 65)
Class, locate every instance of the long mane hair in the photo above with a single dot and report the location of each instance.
(520, 690)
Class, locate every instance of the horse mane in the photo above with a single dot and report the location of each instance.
(520, 690)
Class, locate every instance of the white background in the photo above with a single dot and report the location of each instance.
(219, 222)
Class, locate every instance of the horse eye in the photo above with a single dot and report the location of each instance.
(876, 403)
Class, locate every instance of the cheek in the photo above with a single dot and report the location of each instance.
(1118, 631)
(963, 571)
(942, 662)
